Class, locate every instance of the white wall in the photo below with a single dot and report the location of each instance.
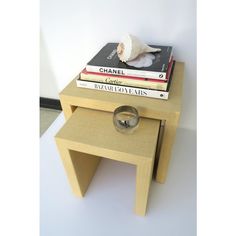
(74, 30)
(48, 81)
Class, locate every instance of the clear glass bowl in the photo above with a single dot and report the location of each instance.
(126, 119)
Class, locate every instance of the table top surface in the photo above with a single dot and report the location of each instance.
(95, 128)
(147, 107)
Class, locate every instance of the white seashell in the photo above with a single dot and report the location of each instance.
(131, 47)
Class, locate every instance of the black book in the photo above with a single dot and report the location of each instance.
(107, 61)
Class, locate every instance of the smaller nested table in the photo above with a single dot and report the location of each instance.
(89, 135)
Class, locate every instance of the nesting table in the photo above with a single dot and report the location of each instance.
(88, 135)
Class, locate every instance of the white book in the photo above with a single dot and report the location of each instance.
(126, 72)
(123, 89)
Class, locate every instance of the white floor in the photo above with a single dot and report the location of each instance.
(107, 208)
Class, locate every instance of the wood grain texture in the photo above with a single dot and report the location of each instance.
(89, 134)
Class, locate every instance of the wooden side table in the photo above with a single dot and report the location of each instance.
(166, 111)
(89, 134)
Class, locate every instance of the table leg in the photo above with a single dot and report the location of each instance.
(143, 180)
(67, 108)
(166, 149)
(80, 168)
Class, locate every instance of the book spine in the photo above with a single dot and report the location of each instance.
(117, 80)
(127, 72)
(122, 89)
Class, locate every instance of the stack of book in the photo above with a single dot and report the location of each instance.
(106, 72)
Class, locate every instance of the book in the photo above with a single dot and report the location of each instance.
(126, 89)
(128, 80)
(107, 61)
(122, 89)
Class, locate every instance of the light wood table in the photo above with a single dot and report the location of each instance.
(167, 111)
(89, 134)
